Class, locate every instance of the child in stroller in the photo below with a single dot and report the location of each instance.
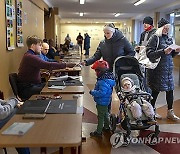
(137, 104)
(128, 67)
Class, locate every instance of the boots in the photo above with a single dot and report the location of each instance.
(171, 115)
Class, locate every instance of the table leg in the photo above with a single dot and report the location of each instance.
(43, 150)
(60, 150)
(73, 150)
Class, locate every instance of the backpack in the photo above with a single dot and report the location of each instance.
(144, 60)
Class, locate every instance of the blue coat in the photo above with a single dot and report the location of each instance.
(103, 91)
(87, 42)
(161, 78)
(110, 49)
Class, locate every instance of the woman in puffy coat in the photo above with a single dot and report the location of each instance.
(114, 45)
(161, 78)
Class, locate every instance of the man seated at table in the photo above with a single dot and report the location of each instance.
(44, 51)
(7, 109)
(29, 78)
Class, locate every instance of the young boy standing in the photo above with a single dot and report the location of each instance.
(102, 95)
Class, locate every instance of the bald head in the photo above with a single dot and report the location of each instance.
(45, 48)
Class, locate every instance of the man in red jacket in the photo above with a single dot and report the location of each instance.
(29, 78)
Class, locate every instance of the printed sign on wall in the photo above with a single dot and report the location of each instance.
(9, 25)
(19, 33)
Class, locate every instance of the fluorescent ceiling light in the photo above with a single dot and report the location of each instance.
(109, 22)
(117, 14)
(81, 14)
(81, 1)
(139, 2)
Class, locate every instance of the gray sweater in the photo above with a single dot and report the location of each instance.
(6, 107)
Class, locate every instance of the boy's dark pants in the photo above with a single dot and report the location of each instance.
(103, 117)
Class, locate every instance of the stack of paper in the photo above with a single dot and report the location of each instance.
(64, 78)
(18, 128)
(57, 87)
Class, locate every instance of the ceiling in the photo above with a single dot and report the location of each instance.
(104, 10)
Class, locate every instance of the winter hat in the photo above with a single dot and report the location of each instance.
(109, 27)
(148, 20)
(126, 80)
(162, 22)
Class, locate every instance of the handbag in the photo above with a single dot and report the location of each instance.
(144, 60)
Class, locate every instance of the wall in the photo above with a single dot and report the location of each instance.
(95, 31)
(9, 60)
(177, 41)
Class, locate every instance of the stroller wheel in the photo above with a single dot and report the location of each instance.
(117, 140)
(126, 140)
(113, 122)
(152, 139)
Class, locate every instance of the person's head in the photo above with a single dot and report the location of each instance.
(127, 83)
(109, 29)
(34, 43)
(45, 48)
(148, 22)
(163, 27)
(100, 67)
(51, 42)
(45, 40)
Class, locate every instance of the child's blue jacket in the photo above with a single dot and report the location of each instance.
(103, 90)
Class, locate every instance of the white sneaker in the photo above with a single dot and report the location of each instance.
(157, 116)
(171, 115)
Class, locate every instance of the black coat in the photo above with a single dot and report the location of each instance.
(87, 42)
(150, 33)
(110, 49)
(161, 78)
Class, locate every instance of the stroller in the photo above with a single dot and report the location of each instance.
(129, 67)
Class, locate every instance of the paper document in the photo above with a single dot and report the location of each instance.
(64, 78)
(18, 128)
(61, 78)
(174, 46)
(57, 87)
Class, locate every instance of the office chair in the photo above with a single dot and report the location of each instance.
(13, 82)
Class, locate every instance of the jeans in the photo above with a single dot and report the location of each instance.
(23, 150)
(27, 90)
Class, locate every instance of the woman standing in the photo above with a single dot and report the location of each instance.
(114, 45)
(161, 78)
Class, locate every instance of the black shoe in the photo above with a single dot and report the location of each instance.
(95, 134)
(151, 121)
(106, 129)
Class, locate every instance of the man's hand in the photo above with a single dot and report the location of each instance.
(19, 104)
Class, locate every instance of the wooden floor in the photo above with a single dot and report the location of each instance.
(102, 146)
